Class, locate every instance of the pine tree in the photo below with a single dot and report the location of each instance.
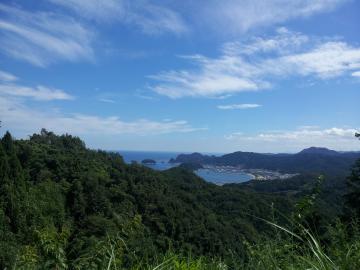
(13, 190)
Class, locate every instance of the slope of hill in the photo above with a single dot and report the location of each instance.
(63, 206)
(62, 201)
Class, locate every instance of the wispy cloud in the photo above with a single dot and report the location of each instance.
(103, 11)
(153, 19)
(7, 77)
(284, 41)
(107, 100)
(150, 18)
(330, 59)
(356, 74)
(207, 83)
(40, 93)
(238, 106)
(16, 116)
(10, 88)
(298, 139)
(253, 65)
(42, 38)
(236, 16)
(19, 117)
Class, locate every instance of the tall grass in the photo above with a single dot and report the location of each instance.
(287, 249)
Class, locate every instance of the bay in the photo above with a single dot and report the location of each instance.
(213, 175)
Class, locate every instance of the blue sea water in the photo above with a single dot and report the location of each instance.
(162, 158)
(223, 177)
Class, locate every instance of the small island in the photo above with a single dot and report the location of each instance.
(148, 161)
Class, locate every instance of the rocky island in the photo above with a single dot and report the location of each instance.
(148, 161)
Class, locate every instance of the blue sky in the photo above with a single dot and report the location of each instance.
(209, 76)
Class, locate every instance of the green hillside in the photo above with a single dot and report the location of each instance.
(64, 206)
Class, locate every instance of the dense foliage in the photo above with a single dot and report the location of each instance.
(352, 197)
(63, 205)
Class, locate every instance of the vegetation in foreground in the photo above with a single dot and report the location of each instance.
(63, 206)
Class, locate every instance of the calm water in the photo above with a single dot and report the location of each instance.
(162, 158)
(223, 177)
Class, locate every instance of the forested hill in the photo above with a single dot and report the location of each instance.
(310, 161)
(64, 205)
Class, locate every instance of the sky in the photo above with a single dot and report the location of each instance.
(206, 76)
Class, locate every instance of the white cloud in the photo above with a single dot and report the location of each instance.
(234, 16)
(150, 18)
(8, 88)
(329, 59)
(251, 65)
(294, 140)
(356, 74)
(284, 41)
(238, 106)
(156, 20)
(98, 10)
(7, 77)
(207, 83)
(107, 100)
(42, 38)
(238, 16)
(22, 119)
(41, 93)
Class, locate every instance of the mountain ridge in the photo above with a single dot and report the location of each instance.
(312, 159)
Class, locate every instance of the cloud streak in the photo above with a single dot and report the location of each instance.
(8, 88)
(356, 74)
(42, 38)
(17, 116)
(238, 106)
(148, 17)
(102, 11)
(24, 120)
(106, 100)
(7, 77)
(40, 93)
(236, 16)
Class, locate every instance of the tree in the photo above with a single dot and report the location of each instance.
(7, 142)
(352, 198)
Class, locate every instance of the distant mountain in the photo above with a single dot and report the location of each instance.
(314, 160)
(319, 150)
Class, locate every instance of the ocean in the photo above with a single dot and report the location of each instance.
(162, 163)
(161, 158)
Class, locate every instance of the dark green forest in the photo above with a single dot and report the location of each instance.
(63, 206)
